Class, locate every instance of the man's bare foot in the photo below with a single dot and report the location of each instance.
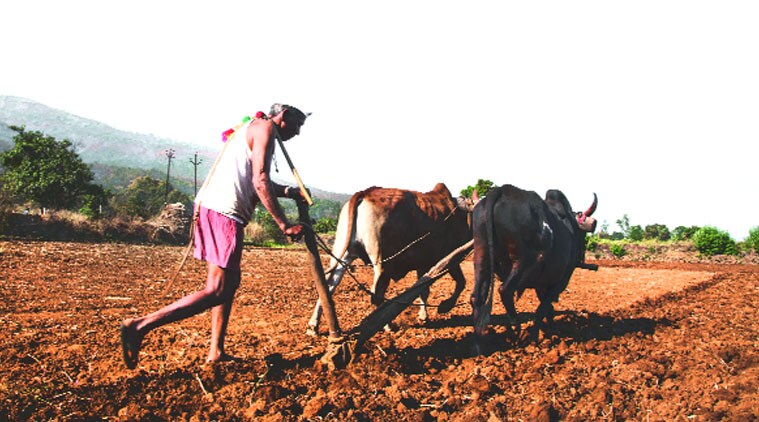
(223, 357)
(130, 344)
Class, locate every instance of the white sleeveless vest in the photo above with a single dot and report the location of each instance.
(229, 188)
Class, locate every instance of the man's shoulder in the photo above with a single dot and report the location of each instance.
(260, 128)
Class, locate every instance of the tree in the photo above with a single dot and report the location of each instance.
(684, 233)
(322, 208)
(41, 169)
(94, 200)
(144, 197)
(603, 232)
(752, 241)
(624, 225)
(616, 236)
(483, 186)
(635, 233)
(656, 232)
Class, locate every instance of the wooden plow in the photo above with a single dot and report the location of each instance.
(342, 349)
(345, 350)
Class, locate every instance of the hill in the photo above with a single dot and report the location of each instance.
(116, 156)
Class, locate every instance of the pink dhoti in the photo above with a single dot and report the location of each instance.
(218, 239)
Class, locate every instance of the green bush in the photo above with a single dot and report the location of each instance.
(684, 233)
(713, 241)
(325, 225)
(272, 234)
(591, 243)
(636, 233)
(752, 241)
(617, 249)
(617, 236)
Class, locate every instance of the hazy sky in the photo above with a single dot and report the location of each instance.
(653, 105)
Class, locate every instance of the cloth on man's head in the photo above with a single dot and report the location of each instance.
(277, 108)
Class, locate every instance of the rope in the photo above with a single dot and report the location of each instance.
(322, 244)
(407, 247)
(227, 138)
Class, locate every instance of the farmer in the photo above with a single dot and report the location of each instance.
(224, 205)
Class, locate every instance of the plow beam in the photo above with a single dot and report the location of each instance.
(390, 309)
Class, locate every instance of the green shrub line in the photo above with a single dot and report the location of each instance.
(705, 241)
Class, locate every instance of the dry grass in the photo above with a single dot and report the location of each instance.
(255, 233)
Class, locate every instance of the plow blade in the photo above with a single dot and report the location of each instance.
(390, 309)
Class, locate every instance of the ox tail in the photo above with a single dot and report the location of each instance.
(353, 204)
(487, 308)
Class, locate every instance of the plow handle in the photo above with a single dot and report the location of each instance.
(317, 270)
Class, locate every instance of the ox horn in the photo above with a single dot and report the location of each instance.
(592, 208)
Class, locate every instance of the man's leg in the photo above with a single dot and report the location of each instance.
(220, 318)
(217, 291)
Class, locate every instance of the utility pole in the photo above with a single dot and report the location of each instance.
(196, 162)
(169, 154)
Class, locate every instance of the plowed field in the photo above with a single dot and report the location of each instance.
(632, 341)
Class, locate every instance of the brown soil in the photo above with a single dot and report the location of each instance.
(634, 341)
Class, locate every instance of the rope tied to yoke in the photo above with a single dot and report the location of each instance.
(405, 248)
(323, 245)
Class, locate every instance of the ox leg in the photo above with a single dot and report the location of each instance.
(337, 272)
(543, 316)
(381, 283)
(422, 300)
(546, 312)
(515, 327)
(507, 290)
(448, 304)
(379, 289)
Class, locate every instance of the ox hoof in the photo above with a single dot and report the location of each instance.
(311, 331)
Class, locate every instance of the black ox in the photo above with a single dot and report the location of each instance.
(530, 243)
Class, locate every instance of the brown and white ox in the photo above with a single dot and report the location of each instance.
(397, 231)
